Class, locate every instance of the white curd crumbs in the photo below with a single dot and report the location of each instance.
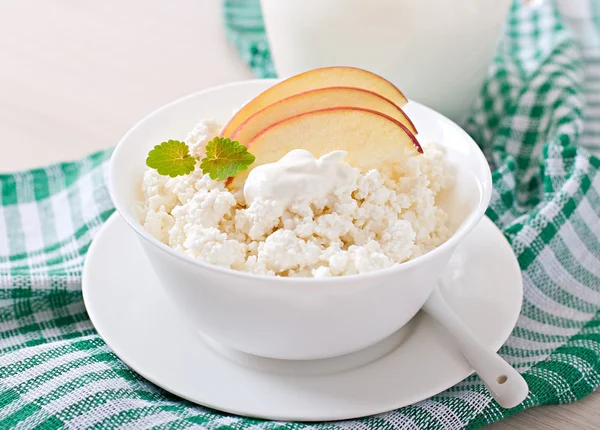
(369, 222)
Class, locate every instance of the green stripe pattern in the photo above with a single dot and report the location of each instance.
(538, 122)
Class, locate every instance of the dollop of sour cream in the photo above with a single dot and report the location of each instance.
(297, 176)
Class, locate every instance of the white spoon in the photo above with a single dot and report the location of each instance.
(505, 384)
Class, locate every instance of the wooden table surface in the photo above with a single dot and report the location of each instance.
(76, 75)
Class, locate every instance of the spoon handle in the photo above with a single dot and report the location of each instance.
(505, 384)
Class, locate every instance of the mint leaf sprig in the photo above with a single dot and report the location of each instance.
(224, 158)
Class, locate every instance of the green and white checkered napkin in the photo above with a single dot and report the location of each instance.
(538, 120)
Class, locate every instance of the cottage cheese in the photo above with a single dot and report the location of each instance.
(367, 221)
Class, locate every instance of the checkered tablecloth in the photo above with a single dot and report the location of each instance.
(538, 121)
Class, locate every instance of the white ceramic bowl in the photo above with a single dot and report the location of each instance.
(295, 318)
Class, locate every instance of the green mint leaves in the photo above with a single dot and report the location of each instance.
(171, 158)
(225, 158)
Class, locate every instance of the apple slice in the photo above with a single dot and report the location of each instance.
(313, 79)
(371, 138)
(320, 98)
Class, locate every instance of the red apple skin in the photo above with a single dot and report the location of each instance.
(392, 92)
(388, 102)
(398, 123)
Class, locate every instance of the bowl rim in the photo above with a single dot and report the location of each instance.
(457, 236)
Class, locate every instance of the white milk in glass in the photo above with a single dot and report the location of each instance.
(436, 51)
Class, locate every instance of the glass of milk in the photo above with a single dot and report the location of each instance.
(436, 51)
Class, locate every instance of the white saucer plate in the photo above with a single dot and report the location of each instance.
(136, 319)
